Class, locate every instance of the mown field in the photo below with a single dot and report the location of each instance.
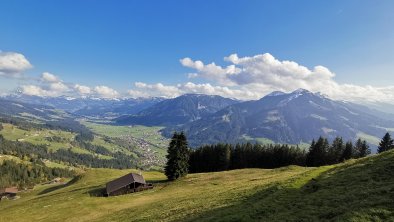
(357, 190)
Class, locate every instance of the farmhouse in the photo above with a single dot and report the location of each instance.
(129, 183)
(8, 192)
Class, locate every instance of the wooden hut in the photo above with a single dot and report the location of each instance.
(9, 192)
(129, 183)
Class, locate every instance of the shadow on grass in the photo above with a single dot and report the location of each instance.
(97, 191)
(157, 181)
(362, 191)
(54, 188)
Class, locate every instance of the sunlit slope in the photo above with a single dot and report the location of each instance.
(361, 190)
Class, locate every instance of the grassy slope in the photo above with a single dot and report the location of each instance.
(358, 190)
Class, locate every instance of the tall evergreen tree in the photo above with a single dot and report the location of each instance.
(386, 143)
(348, 151)
(335, 151)
(177, 157)
(361, 149)
(317, 155)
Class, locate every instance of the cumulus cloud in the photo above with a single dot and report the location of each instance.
(263, 73)
(49, 77)
(211, 71)
(33, 90)
(12, 64)
(82, 90)
(106, 92)
(58, 87)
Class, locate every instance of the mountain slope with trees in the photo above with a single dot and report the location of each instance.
(291, 118)
(180, 110)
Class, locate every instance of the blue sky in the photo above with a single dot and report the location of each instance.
(118, 43)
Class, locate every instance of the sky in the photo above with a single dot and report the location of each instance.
(239, 49)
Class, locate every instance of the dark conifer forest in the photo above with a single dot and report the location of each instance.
(221, 157)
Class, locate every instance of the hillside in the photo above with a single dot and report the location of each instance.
(358, 190)
(142, 146)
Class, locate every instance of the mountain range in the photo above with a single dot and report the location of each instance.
(178, 111)
(293, 118)
(89, 106)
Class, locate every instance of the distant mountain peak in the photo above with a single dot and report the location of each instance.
(301, 91)
(276, 93)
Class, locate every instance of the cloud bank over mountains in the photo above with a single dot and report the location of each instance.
(243, 78)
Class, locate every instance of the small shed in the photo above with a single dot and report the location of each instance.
(129, 183)
(9, 192)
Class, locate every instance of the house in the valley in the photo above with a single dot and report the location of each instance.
(129, 183)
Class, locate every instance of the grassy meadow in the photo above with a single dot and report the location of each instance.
(357, 190)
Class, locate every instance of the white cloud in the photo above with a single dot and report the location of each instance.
(82, 90)
(243, 78)
(33, 90)
(49, 77)
(58, 87)
(156, 90)
(13, 64)
(263, 73)
(171, 91)
(106, 92)
(211, 71)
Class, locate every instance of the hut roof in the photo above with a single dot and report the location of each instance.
(124, 181)
(9, 190)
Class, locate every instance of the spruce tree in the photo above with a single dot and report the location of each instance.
(177, 157)
(348, 151)
(361, 149)
(386, 143)
(317, 155)
(334, 154)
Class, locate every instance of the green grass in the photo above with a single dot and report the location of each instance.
(9, 157)
(51, 164)
(358, 190)
(260, 140)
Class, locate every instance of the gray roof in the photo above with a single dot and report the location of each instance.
(124, 181)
